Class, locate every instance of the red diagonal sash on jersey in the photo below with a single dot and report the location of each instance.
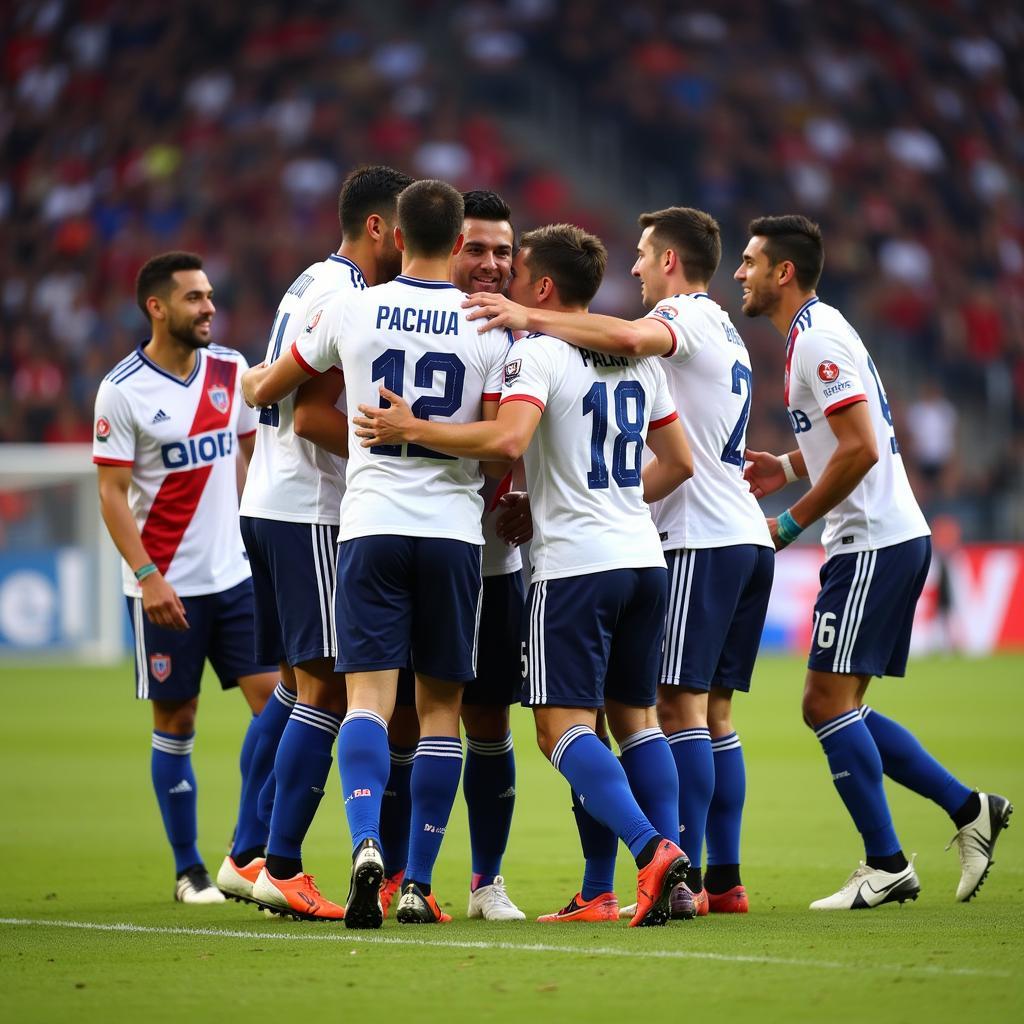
(178, 498)
(503, 488)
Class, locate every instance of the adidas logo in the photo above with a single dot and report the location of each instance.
(160, 417)
(182, 787)
(508, 794)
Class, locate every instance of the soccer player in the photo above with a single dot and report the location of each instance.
(719, 552)
(289, 520)
(170, 428)
(877, 548)
(489, 774)
(410, 536)
(596, 609)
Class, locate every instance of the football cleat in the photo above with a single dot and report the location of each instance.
(297, 898)
(601, 908)
(700, 903)
(389, 887)
(683, 905)
(416, 907)
(491, 902)
(976, 841)
(363, 908)
(194, 886)
(236, 882)
(654, 885)
(871, 887)
(732, 901)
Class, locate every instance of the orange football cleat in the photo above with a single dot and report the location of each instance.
(236, 882)
(389, 887)
(654, 884)
(732, 901)
(601, 908)
(296, 897)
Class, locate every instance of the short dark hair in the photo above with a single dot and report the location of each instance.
(430, 214)
(368, 190)
(156, 276)
(572, 258)
(794, 238)
(693, 235)
(483, 204)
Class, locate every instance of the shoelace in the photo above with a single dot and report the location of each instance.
(498, 893)
(307, 881)
(970, 842)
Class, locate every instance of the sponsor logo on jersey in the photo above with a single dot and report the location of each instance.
(512, 371)
(827, 371)
(160, 667)
(219, 397)
(102, 429)
(196, 450)
(311, 326)
(160, 417)
(836, 389)
(666, 312)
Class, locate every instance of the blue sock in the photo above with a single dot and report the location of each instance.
(597, 778)
(301, 768)
(396, 811)
(695, 765)
(857, 775)
(599, 844)
(905, 761)
(725, 814)
(435, 781)
(175, 785)
(266, 731)
(648, 763)
(489, 785)
(364, 761)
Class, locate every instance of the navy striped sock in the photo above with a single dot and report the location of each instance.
(175, 786)
(435, 781)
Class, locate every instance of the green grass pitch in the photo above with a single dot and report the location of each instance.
(89, 931)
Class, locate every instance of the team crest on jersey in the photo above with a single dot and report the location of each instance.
(160, 667)
(219, 397)
(512, 371)
(102, 429)
(827, 371)
(311, 326)
(666, 312)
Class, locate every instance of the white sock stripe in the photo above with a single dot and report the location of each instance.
(490, 748)
(440, 748)
(722, 747)
(861, 604)
(638, 739)
(363, 713)
(567, 739)
(826, 730)
(316, 717)
(170, 745)
(730, 742)
(864, 711)
(441, 742)
(404, 758)
(686, 735)
(285, 696)
(844, 626)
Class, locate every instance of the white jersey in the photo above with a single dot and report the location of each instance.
(413, 337)
(498, 558)
(181, 439)
(827, 369)
(291, 479)
(583, 466)
(710, 380)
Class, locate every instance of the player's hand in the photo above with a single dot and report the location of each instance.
(496, 311)
(514, 523)
(250, 381)
(773, 529)
(764, 473)
(385, 426)
(161, 603)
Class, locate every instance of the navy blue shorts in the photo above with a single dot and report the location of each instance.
(169, 664)
(864, 613)
(293, 567)
(588, 638)
(499, 675)
(717, 602)
(402, 597)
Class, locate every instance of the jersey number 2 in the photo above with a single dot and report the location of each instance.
(733, 450)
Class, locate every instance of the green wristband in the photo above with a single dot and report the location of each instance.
(787, 528)
(145, 570)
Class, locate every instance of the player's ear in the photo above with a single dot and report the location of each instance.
(375, 227)
(399, 240)
(786, 271)
(155, 308)
(669, 261)
(459, 243)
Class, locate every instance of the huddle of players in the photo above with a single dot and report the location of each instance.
(611, 621)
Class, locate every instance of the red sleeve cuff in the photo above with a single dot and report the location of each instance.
(852, 400)
(302, 362)
(100, 461)
(663, 422)
(524, 398)
(672, 334)
(248, 433)
(492, 396)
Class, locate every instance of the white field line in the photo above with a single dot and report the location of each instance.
(521, 947)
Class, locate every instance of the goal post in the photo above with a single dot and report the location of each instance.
(60, 575)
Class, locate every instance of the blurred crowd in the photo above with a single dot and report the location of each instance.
(132, 128)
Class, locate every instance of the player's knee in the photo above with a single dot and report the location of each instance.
(681, 709)
(816, 706)
(174, 718)
(485, 723)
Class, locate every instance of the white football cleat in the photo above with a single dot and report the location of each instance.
(629, 911)
(491, 902)
(976, 841)
(871, 887)
(194, 886)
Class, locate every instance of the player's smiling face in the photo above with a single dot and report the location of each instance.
(190, 308)
(653, 282)
(485, 260)
(760, 293)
